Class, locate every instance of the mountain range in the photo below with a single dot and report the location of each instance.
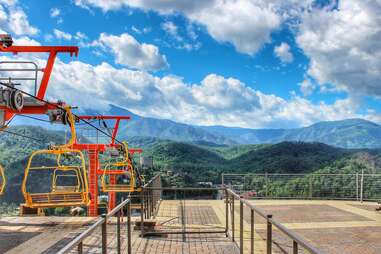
(349, 133)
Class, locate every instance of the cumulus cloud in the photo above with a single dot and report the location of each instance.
(344, 47)
(214, 100)
(55, 12)
(129, 52)
(283, 52)
(245, 24)
(62, 35)
(307, 87)
(14, 20)
(170, 28)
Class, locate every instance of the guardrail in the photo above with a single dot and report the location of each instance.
(230, 197)
(101, 222)
(358, 186)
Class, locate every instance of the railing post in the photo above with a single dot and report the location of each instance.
(357, 186)
(129, 228)
(269, 238)
(142, 212)
(227, 212)
(310, 183)
(362, 186)
(118, 231)
(232, 216)
(252, 231)
(267, 184)
(104, 234)
(241, 227)
(80, 248)
(295, 247)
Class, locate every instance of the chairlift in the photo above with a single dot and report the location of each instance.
(63, 163)
(120, 176)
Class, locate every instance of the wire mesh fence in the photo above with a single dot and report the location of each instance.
(306, 186)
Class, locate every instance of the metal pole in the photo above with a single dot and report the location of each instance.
(362, 186)
(310, 186)
(295, 247)
(267, 183)
(252, 232)
(118, 231)
(232, 217)
(129, 228)
(357, 186)
(142, 213)
(241, 227)
(104, 234)
(80, 248)
(226, 212)
(269, 234)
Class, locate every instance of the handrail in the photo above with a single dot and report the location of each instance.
(294, 236)
(101, 221)
(297, 239)
(76, 241)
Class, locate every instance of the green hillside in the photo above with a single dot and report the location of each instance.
(191, 163)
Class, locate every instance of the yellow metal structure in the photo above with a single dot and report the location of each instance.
(3, 180)
(120, 176)
(59, 195)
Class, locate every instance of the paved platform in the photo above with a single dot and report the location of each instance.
(332, 226)
(344, 227)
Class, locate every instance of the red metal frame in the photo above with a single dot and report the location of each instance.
(52, 50)
(94, 167)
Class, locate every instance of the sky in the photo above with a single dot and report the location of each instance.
(244, 63)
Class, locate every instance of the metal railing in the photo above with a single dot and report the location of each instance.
(101, 222)
(359, 186)
(230, 197)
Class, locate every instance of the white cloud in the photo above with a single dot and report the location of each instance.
(80, 36)
(145, 30)
(344, 46)
(14, 20)
(170, 28)
(307, 87)
(55, 12)
(245, 24)
(129, 52)
(214, 100)
(62, 35)
(283, 52)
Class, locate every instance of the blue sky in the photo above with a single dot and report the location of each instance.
(275, 64)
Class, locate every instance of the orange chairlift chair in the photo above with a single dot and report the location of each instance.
(121, 176)
(63, 163)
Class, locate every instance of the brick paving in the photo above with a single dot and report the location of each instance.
(332, 226)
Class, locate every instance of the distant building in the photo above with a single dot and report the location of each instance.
(146, 162)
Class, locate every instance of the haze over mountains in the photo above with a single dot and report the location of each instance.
(350, 133)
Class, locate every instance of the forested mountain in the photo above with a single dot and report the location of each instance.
(198, 161)
(350, 133)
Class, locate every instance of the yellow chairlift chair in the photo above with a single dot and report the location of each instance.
(119, 176)
(3, 180)
(59, 160)
(72, 177)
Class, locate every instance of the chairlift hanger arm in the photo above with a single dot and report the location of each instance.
(115, 129)
(52, 50)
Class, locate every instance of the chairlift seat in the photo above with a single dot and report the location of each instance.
(57, 199)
